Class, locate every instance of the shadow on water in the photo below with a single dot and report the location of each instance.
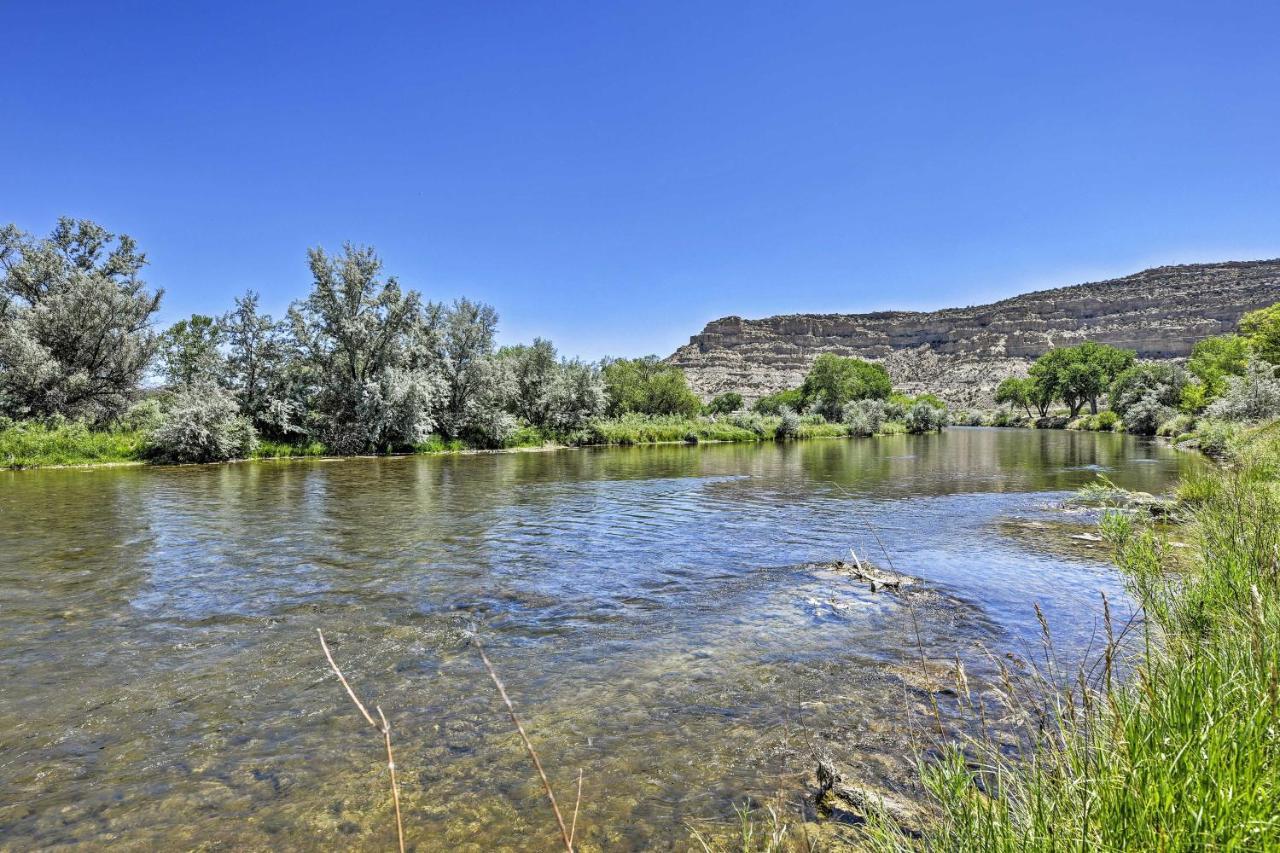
(655, 612)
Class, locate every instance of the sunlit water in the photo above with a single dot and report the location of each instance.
(651, 610)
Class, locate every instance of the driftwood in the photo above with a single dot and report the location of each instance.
(878, 578)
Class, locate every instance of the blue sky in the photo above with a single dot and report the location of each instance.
(613, 175)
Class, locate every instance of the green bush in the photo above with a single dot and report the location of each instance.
(788, 425)
(925, 417)
(202, 425)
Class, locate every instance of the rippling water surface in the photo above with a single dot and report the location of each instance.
(655, 613)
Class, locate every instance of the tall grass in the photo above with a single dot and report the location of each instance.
(30, 444)
(1184, 752)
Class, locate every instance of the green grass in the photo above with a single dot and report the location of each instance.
(267, 449)
(1183, 753)
(33, 444)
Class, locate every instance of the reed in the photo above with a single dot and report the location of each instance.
(384, 729)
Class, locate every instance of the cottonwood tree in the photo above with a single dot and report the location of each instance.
(1080, 374)
(262, 368)
(75, 322)
(365, 355)
(833, 381)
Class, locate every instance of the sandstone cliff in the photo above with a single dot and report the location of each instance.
(961, 354)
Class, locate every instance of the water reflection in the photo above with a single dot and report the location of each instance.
(647, 607)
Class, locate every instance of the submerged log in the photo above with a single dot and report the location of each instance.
(843, 798)
(878, 578)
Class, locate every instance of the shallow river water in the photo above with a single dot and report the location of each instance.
(656, 614)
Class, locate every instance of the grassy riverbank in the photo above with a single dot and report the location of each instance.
(1183, 752)
(38, 445)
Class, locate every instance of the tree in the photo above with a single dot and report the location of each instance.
(190, 352)
(1262, 329)
(1016, 391)
(647, 386)
(724, 404)
(370, 375)
(1079, 374)
(256, 363)
(1213, 361)
(773, 404)
(833, 381)
(75, 322)
(1162, 382)
(477, 386)
(533, 372)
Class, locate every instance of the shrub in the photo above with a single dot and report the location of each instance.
(144, 415)
(1218, 438)
(1145, 416)
(1107, 421)
(788, 426)
(868, 415)
(1176, 426)
(925, 417)
(1252, 397)
(202, 425)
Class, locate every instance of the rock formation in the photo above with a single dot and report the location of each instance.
(961, 354)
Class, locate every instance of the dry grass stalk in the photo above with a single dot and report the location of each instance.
(565, 835)
(384, 730)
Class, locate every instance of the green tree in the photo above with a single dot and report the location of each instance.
(1213, 361)
(647, 386)
(1015, 391)
(725, 404)
(1080, 374)
(75, 322)
(1262, 329)
(1160, 381)
(190, 352)
(773, 404)
(834, 380)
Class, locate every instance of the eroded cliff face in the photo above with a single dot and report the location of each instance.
(961, 354)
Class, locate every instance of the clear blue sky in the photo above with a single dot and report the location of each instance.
(613, 175)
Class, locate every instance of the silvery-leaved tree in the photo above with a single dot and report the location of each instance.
(75, 322)
(191, 353)
(478, 385)
(365, 354)
(263, 369)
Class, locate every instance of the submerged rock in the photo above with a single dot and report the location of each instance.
(843, 797)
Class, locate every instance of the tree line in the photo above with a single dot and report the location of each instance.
(360, 364)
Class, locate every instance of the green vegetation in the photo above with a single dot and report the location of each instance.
(647, 386)
(724, 404)
(1183, 752)
(31, 444)
(1261, 329)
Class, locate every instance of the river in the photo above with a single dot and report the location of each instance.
(659, 615)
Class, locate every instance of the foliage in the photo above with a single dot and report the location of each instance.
(370, 378)
(548, 394)
(724, 404)
(1161, 381)
(655, 429)
(864, 417)
(1262, 329)
(925, 417)
(258, 369)
(31, 444)
(1183, 754)
(1212, 361)
(1016, 391)
(202, 424)
(647, 386)
(1078, 374)
(833, 381)
(773, 404)
(75, 336)
(1252, 397)
(1145, 416)
(190, 352)
(788, 425)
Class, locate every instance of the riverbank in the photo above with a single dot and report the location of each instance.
(1182, 750)
(26, 445)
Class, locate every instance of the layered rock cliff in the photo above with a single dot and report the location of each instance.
(961, 354)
